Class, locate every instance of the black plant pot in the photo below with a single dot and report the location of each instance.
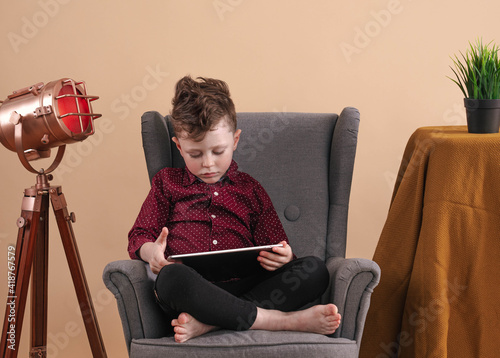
(483, 115)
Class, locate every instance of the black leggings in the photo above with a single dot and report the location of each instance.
(233, 304)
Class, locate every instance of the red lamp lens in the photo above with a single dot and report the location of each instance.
(69, 105)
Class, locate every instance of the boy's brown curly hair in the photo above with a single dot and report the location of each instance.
(200, 104)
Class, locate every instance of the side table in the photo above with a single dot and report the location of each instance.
(439, 251)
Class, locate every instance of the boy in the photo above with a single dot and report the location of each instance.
(209, 205)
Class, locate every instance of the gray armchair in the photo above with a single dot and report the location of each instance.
(305, 163)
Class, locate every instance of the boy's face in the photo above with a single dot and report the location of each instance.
(210, 158)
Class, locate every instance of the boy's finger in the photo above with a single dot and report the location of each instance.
(267, 267)
(281, 249)
(269, 261)
(162, 239)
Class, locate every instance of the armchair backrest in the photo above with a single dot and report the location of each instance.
(303, 160)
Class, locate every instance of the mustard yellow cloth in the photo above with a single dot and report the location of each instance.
(439, 251)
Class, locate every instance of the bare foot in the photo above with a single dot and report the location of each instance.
(322, 319)
(187, 327)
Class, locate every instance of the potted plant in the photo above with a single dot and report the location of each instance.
(478, 76)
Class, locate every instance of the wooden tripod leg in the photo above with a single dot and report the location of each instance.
(39, 284)
(76, 268)
(25, 247)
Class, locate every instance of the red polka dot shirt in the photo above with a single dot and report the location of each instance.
(232, 213)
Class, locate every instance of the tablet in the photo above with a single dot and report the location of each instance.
(224, 265)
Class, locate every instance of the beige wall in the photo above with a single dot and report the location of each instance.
(388, 58)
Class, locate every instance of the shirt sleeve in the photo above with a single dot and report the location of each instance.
(266, 225)
(151, 219)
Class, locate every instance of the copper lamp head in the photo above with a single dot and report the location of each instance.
(40, 117)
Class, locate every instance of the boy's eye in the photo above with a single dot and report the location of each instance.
(195, 155)
(219, 152)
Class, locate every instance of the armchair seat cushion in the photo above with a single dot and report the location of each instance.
(261, 344)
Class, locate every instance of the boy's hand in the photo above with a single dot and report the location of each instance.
(154, 252)
(280, 256)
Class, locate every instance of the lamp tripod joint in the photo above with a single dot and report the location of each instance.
(21, 222)
(42, 181)
(38, 352)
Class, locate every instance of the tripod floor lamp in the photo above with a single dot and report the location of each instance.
(32, 121)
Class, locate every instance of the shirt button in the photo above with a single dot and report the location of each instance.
(213, 216)
(216, 193)
(215, 242)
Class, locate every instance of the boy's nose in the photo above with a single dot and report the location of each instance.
(208, 161)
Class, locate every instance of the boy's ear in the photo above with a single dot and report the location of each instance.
(177, 143)
(236, 138)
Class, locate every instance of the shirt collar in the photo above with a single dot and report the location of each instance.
(231, 174)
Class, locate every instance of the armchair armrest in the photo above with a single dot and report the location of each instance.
(132, 283)
(351, 285)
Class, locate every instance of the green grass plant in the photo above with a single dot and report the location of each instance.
(478, 71)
